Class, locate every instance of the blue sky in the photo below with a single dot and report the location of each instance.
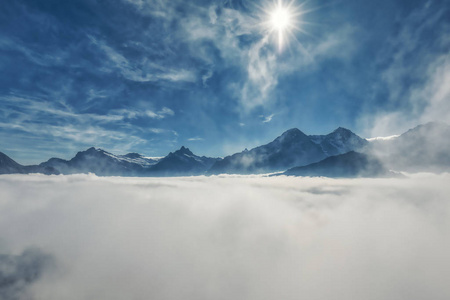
(149, 76)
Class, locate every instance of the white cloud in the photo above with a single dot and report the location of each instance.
(383, 138)
(206, 77)
(196, 139)
(134, 113)
(268, 119)
(262, 75)
(231, 237)
(166, 111)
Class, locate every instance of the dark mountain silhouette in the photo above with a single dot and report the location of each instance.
(182, 162)
(293, 148)
(179, 163)
(290, 149)
(351, 164)
(339, 141)
(9, 166)
(97, 161)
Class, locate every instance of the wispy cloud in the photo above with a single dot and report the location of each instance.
(134, 113)
(196, 139)
(416, 75)
(267, 119)
(32, 106)
(41, 57)
(111, 130)
(142, 70)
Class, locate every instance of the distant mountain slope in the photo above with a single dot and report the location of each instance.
(351, 164)
(339, 141)
(182, 162)
(292, 148)
(139, 159)
(9, 166)
(102, 163)
(423, 148)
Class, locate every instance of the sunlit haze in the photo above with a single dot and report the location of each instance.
(280, 19)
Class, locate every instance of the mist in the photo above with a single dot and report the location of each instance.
(225, 237)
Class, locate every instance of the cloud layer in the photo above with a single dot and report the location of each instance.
(231, 237)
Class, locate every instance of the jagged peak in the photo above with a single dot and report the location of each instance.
(342, 130)
(184, 150)
(292, 131)
(91, 150)
(290, 134)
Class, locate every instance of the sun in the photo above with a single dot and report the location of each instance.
(282, 19)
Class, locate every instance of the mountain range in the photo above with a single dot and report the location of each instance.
(9, 166)
(348, 165)
(340, 153)
(293, 148)
(179, 163)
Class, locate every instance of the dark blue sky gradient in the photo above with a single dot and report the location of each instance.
(149, 76)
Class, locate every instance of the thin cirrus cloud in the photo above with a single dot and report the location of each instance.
(41, 58)
(64, 125)
(142, 71)
(38, 107)
(226, 237)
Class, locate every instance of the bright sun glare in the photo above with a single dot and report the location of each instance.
(282, 20)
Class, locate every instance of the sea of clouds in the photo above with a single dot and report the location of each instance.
(224, 237)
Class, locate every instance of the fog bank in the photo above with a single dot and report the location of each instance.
(228, 237)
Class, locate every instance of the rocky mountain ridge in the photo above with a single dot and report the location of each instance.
(423, 148)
